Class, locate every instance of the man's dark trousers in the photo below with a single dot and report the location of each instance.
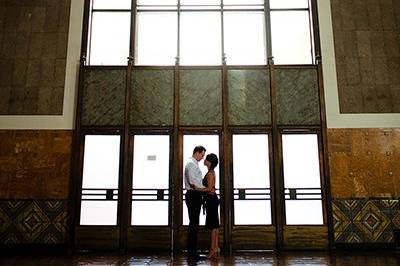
(193, 203)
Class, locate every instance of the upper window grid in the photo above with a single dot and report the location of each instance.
(228, 6)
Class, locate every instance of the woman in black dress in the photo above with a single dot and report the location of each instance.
(211, 203)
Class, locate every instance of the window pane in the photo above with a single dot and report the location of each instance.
(200, 2)
(250, 161)
(244, 38)
(156, 38)
(252, 212)
(151, 161)
(109, 43)
(291, 39)
(301, 161)
(98, 212)
(101, 162)
(142, 216)
(200, 38)
(114, 4)
(243, 2)
(157, 2)
(296, 210)
(288, 3)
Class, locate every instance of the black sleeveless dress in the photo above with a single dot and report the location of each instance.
(211, 203)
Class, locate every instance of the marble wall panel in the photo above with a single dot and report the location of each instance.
(364, 162)
(297, 96)
(200, 102)
(103, 97)
(152, 97)
(35, 164)
(249, 97)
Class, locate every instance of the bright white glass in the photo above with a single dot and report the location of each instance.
(200, 38)
(114, 4)
(304, 212)
(101, 161)
(200, 2)
(243, 2)
(157, 2)
(98, 212)
(244, 41)
(151, 161)
(301, 161)
(156, 38)
(291, 37)
(250, 161)
(149, 213)
(288, 3)
(109, 43)
(211, 143)
(252, 212)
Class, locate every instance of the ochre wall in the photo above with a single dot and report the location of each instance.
(364, 162)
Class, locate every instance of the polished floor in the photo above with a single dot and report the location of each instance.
(348, 258)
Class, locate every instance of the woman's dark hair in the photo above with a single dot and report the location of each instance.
(213, 159)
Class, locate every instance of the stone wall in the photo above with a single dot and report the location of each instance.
(33, 51)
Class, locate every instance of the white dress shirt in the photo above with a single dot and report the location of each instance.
(193, 174)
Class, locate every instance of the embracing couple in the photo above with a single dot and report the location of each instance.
(201, 191)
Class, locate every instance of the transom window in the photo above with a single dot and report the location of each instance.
(200, 32)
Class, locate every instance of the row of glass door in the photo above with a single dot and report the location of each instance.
(251, 201)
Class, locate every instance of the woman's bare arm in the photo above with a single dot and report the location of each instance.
(210, 183)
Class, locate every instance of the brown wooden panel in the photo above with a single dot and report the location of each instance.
(253, 237)
(158, 238)
(305, 237)
(96, 237)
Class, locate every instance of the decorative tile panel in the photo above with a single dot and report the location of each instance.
(365, 220)
(152, 97)
(103, 97)
(249, 97)
(200, 97)
(33, 221)
(297, 96)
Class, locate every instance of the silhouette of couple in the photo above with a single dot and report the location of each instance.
(201, 191)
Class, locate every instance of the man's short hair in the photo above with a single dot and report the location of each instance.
(199, 149)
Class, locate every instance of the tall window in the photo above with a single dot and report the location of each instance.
(109, 32)
(100, 180)
(252, 194)
(150, 180)
(302, 178)
(200, 32)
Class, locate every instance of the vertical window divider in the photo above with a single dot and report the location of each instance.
(178, 34)
(126, 181)
(226, 192)
(268, 38)
(175, 191)
(78, 138)
(325, 178)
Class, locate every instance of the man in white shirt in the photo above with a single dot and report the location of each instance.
(193, 179)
